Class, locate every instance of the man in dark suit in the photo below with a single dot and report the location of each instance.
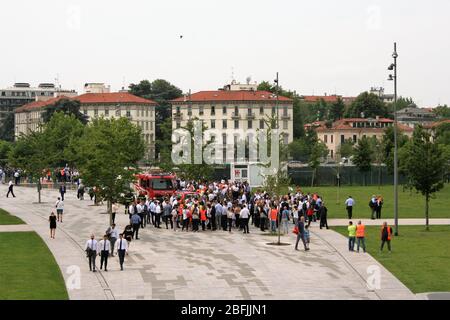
(62, 191)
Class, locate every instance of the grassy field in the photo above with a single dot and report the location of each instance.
(411, 204)
(7, 219)
(420, 259)
(28, 270)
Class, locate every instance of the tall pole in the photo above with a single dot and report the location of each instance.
(395, 56)
(278, 169)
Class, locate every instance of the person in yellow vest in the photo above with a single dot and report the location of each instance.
(386, 235)
(351, 236)
(360, 236)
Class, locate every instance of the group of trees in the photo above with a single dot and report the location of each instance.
(106, 152)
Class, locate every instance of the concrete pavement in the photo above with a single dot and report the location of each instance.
(205, 265)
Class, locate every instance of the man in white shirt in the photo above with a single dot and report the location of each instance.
(91, 248)
(122, 248)
(349, 206)
(104, 247)
(59, 209)
(10, 189)
(152, 208)
(243, 217)
(113, 236)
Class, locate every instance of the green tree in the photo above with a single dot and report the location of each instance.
(387, 146)
(298, 123)
(107, 156)
(160, 91)
(337, 110)
(363, 156)
(193, 171)
(7, 127)
(442, 134)
(66, 106)
(442, 111)
(346, 149)
(299, 150)
(5, 148)
(369, 104)
(29, 154)
(425, 165)
(61, 132)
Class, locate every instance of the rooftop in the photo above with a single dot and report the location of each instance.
(221, 95)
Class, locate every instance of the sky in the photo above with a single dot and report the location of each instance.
(318, 47)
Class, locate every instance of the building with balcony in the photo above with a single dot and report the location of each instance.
(413, 116)
(234, 111)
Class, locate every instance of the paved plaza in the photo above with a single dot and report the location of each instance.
(206, 265)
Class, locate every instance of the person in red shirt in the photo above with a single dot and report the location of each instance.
(203, 217)
(310, 214)
(273, 219)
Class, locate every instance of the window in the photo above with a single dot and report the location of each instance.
(146, 113)
(178, 125)
(151, 137)
(118, 113)
(146, 125)
(85, 112)
(224, 110)
(213, 124)
(261, 110)
(200, 110)
(249, 111)
(162, 184)
(342, 138)
(325, 138)
(286, 139)
(189, 111)
(236, 124)
(261, 124)
(224, 124)
(285, 111)
(128, 113)
(285, 125)
(95, 112)
(224, 138)
(106, 112)
(147, 138)
(332, 154)
(355, 139)
(213, 110)
(273, 110)
(250, 124)
(332, 138)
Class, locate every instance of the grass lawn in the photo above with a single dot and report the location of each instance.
(28, 270)
(420, 259)
(7, 219)
(411, 204)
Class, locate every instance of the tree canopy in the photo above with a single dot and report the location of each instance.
(66, 106)
(368, 104)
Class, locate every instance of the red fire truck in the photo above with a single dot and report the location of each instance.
(156, 185)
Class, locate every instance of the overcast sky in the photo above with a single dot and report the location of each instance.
(319, 46)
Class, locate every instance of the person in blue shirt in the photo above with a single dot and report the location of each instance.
(136, 223)
(301, 233)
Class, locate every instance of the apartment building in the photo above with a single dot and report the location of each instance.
(234, 111)
(354, 129)
(117, 104)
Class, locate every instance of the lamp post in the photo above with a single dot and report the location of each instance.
(393, 67)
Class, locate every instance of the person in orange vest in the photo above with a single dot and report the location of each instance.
(360, 236)
(203, 216)
(386, 235)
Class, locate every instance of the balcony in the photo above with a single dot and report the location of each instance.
(178, 116)
(235, 115)
(285, 117)
(250, 116)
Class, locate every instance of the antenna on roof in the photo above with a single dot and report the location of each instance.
(232, 75)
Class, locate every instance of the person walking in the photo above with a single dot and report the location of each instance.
(349, 203)
(10, 189)
(59, 205)
(16, 177)
(351, 236)
(230, 216)
(285, 220)
(52, 220)
(113, 235)
(167, 214)
(114, 209)
(195, 218)
(91, 248)
(273, 219)
(360, 236)
(203, 217)
(373, 206)
(62, 190)
(323, 212)
(104, 248)
(122, 249)
(244, 216)
(301, 233)
(136, 223)
(175, 217)
(386, 235)
(158, 213)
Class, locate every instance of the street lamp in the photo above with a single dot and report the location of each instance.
(393, 67)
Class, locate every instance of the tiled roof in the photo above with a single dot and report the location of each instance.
(38, 104)
(436, 124)
(333, 98)
(345, 124)
(90, 98)
(222, 95)
(115, 97)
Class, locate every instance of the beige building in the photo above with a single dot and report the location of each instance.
(234, 111)
(352, 129)
(140, 111)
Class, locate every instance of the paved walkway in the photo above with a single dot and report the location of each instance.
(15, 228)
(175, 265)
